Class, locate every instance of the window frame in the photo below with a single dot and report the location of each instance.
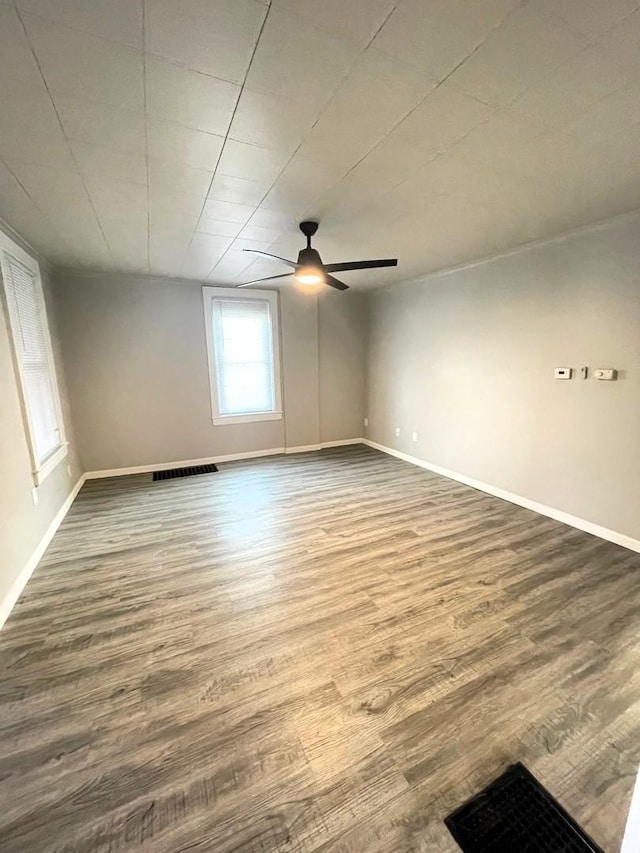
(40, 468)
(209, 294)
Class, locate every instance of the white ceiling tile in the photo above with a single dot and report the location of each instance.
(214, 36)
(390, 157)
(114, 199)
(379, 92)
(591, 18)
(27, 108)
(169, 176)
(280, 220)
(442, 118)
(164, 202)
(127, 244)
(598, 71)
(227, 212)
(80, 64)
(376, 97)
(189, 97)
(608, 118)
(242, 244)
(170, 218)
(218, 227)
(504, 144)
(203, 254)
(259, 233)
(102, 124)
(16, 57)
(167, 250)
(437, 35)
(174, 142)
(107, 162)
(295, 60)
(42, 149)
(358, 19)
(118, 20)
(241, 160)
(526, 48)
(355, 142)
(45, 179)
(232, 264)
(270, 122)
(302, 183)
(238, 190)
(390, 162)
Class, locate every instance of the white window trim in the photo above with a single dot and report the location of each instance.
(40, 468)
(270, 296)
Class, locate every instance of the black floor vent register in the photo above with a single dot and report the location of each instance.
(184, 472)
(515, 814)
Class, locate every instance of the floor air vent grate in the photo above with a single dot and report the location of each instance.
(515, 813)
(172, 473)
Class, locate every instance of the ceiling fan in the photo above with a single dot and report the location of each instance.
(309, 269)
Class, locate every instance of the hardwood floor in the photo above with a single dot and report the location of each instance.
(324, 652)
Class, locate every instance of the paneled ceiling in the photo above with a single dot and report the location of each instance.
(166, 136)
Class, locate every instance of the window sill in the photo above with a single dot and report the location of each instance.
(52, 462)
(229, 420)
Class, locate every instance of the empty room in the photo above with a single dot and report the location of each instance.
(319, 426)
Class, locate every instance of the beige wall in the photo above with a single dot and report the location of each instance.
(136, 363)
(23, 525)
(466, 359)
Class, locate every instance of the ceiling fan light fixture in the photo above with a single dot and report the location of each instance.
(309, 276)
(309, 268)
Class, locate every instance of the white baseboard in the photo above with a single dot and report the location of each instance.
(542, 509)
(6, 606)
(343, 442)
(184, 463)
(229, 457)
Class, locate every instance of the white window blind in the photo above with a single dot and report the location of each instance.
(31, 343)
(244, 359)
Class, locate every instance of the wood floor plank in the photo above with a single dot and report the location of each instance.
(322, 653)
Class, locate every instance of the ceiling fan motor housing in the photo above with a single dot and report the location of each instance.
(309, 258)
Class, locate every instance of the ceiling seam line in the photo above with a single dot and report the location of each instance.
(64, 134)
(35, 204)
(226, 135)
(297, 148)
(438, 84)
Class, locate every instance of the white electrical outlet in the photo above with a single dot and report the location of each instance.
(562, 373)
(397, 432)
(366, 421)
(414, 436)
(605, 373)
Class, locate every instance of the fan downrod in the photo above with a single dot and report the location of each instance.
(308, 228)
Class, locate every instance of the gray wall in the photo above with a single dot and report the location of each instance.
(136, 363)
(342, 324)
(466, 359)
(23, 525)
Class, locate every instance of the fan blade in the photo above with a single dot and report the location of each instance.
(361, 265)
(273, 257)
(333, 282)
(270, 278)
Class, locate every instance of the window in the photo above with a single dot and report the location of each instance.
(243, 348)
(33, 358)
